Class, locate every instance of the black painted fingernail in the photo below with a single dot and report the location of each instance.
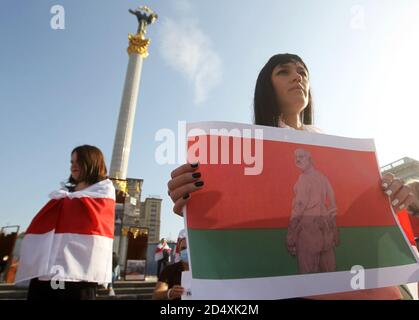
(199, 183)
(186, 196)
(196, 175)
(194, 165)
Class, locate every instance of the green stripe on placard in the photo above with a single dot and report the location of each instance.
(252, 253)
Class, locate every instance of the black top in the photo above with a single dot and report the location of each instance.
(172, 274)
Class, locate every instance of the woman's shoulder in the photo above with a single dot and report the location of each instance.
(101, 189)
(306, 127)
(312, 128)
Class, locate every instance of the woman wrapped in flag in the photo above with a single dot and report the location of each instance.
(67, 249)
(283, 99)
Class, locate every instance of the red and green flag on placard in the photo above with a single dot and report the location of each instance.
(237, 224)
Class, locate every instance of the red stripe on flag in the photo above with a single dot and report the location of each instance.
(160, 249)
(91, 216)
(46, 219)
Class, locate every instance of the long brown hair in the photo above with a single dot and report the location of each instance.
(92, 165)
(266, 108)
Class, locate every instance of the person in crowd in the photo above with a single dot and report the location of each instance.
(67, 248)
(283, 99)
(162, 255)
(169, 282)
(115, 274)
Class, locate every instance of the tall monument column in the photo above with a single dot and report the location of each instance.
(137, 51)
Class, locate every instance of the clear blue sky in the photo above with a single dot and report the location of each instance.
(62, 88)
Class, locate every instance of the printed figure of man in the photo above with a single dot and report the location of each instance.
(312, 231)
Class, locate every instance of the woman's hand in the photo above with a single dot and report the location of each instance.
(401, 195)
(175, 292)
(185, 180)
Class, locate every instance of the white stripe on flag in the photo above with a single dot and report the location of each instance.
(101, 189)
(79, 257)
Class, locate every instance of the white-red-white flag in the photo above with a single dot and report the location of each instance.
(71, 237)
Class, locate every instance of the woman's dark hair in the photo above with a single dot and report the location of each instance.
(266, 109)
(92, 165)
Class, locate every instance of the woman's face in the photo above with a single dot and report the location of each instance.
(291, 86)
(75, 168)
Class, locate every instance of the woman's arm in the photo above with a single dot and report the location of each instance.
(160, 291)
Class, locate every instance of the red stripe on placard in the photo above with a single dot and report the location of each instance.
(232, 200)
(92, 216)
